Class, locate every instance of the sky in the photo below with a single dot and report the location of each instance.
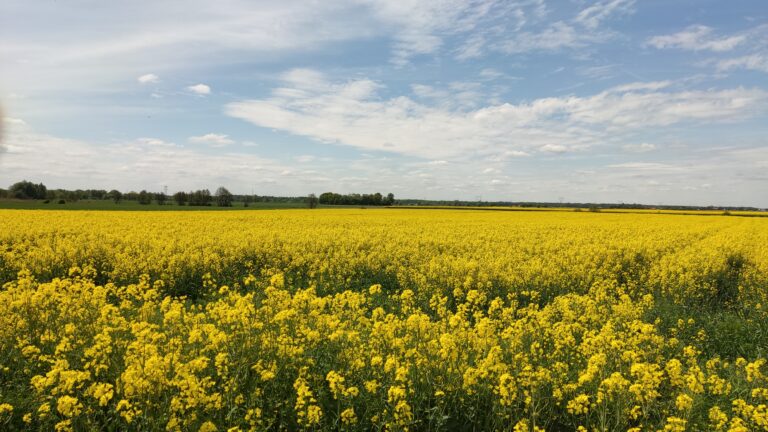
(634, 101)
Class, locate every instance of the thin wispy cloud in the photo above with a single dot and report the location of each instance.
(212, 139)
(757, 62)
(697, 38)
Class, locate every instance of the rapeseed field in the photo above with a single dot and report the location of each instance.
(395, 320)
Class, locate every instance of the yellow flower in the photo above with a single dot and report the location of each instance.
(683, 402)
(68, 406)
(207, 427)
(103, 392)
(675, 424)
(348, 416)
(579, 405)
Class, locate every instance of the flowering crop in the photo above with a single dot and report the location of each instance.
(382, 320)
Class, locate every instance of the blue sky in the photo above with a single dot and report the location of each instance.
(658, 102)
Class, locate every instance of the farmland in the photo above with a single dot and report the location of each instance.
(373, 319)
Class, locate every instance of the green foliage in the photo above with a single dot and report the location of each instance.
(28, 190)
(223, 197)
(375, 199)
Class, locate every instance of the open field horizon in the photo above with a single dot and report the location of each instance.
(127, 205)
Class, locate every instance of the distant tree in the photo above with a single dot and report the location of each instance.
(145, 197)
(115, 195)
(160, 197)
(96, 194)
(223, 197)
(181, 198)
(28, 190)
(375, 199)
(72, 196)
(3, 193)
(312, 201)
(200, 197)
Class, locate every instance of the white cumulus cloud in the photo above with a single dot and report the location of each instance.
(200, 89)
(149, 78)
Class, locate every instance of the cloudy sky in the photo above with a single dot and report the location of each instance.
(652, 101)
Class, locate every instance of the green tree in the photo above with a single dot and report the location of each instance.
(28, 190)
(145, 197)
(115, 195)
(201, 197)
(223, 197)
(181, 198)
(312, 201)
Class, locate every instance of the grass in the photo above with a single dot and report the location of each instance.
(134, 205)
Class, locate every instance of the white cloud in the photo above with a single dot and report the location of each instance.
(10, 121)
(421, 26)
(148, 79)
(587, 27)
(491, 74)
(212, 139)
(639, 86)
(515, 153)
(342, 113)
(200, 89)
(554, 148)
(305, 158)
(758, 62)
(639, 148)
(557, 36)
(592, 16)
(696, 38)
(142, 163)
(155, 142)
(725, 176)
(646, 166)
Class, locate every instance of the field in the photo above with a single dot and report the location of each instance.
(382, 319)
(134, 205)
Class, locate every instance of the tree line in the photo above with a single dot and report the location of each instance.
(375, 199)
(222, 197)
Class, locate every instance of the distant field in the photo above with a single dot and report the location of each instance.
(599, 210)
(134, 205)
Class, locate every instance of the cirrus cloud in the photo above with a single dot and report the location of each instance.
(696, 38)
